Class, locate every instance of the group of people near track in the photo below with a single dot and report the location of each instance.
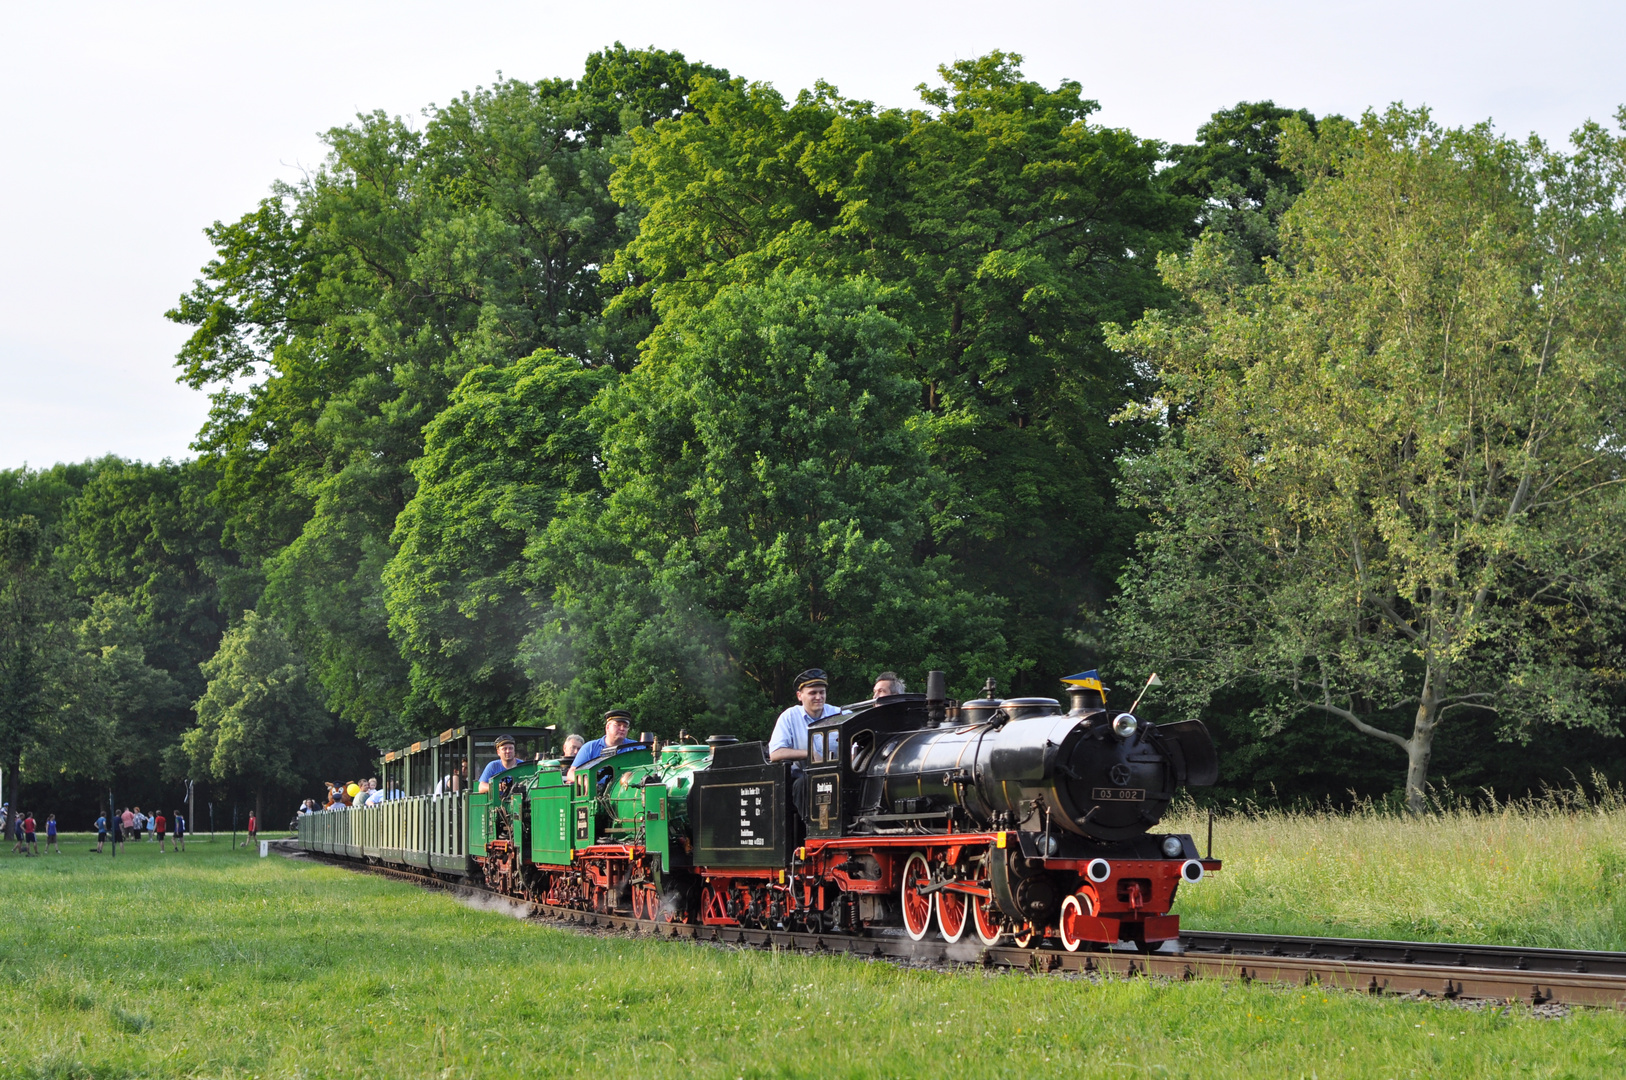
(23, 830)
(132, 824)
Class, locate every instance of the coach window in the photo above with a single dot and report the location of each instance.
(394, 778)
(454, 766)
(420, 773)
(485, 752)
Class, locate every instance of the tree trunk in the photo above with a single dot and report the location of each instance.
(1420, 747)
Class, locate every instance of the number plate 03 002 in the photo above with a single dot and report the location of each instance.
(1119, 794)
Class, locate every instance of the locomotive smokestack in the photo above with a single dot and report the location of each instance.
(936, 697)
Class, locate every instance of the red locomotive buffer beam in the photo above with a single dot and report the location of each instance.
(1125, 900)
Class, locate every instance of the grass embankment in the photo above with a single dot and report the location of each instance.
(221, 964)
(1546, 872)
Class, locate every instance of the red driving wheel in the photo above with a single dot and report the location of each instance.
(985, 916)
(917, 906)
(951, 914)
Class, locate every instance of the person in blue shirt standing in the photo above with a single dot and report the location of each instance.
(101, 832)
(50, 834)
(507, 758)
(789, 739)
(617, 722)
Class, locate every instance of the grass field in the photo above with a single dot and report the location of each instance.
(217, 963)
(1546, 872)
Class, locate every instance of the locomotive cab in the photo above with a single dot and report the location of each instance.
(840, 751)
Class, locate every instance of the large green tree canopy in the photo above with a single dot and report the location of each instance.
(1008, 229)
(996, 228)
(765, 492)
(1396, 486)
(338, 316)
(512, 444)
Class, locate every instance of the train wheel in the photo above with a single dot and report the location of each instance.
(1024, 936)
(986, 918)
(1073, 909)
(951, 915)
(779, 911)
(638, 911)
(917, 907)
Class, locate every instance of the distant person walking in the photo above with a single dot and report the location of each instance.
(253, 829)
(159, 826)
(127, 821)
(50, 834)
(28, 834)
(118, 830)
(20, 847)
(180, 832)
(101, 832)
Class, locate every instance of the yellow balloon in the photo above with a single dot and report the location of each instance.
(353, 790)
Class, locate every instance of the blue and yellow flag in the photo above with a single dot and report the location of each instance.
(1089, 680)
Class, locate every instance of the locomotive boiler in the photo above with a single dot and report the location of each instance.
(1024, 764)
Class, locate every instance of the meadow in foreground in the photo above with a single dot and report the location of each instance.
(1548, 871)
(221, 964)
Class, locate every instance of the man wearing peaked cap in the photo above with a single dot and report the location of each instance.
(617, 722)
(789, 740)
(506, 759)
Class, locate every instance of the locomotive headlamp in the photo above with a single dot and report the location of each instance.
(1124, 725)
(1172, 847)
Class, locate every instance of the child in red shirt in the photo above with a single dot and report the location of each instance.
(253, 828)
(158, 826)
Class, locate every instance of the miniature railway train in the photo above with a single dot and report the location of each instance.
(1009, 819)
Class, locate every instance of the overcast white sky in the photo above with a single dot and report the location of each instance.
(128, 127)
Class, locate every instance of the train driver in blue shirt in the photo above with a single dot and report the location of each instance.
(617, 722)
(789, 739)
(507, 758)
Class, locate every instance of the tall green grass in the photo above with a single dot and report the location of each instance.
(1543, 871)
(216, 963)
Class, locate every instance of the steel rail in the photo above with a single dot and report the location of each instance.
(1421, 970)
(1431, 953)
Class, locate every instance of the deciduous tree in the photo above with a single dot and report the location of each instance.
(765, 493)
(509, 446)
(1398, 486)
(259, 716)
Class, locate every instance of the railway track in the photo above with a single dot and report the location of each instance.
(1422, 970)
